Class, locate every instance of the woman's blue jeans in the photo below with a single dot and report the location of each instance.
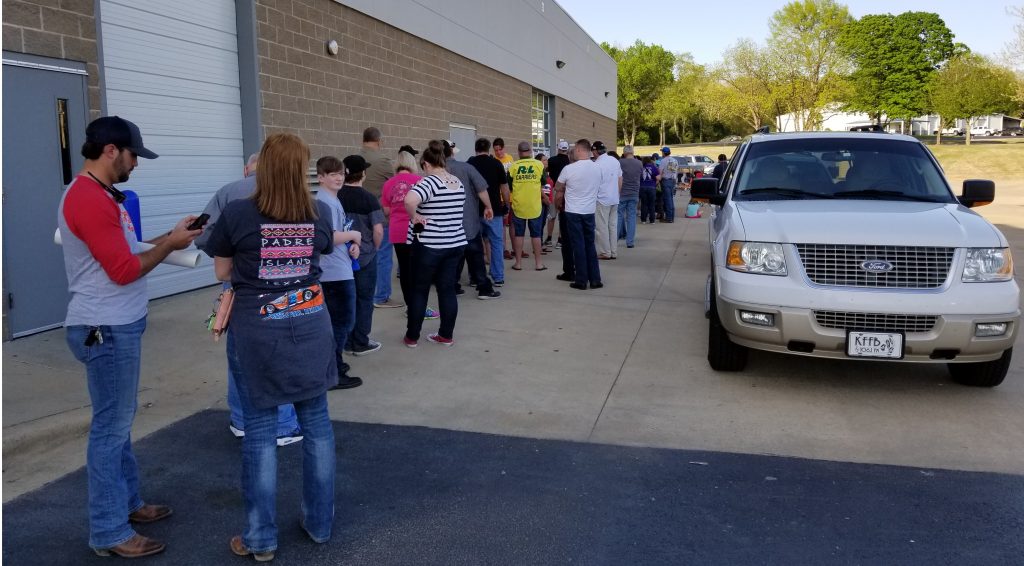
(112, 370)
(259, 468)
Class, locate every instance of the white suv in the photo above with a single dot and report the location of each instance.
(852, 245)
(981, 131)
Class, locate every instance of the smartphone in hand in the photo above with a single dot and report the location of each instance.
(199, 222)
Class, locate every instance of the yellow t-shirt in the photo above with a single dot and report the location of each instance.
(506, 160)
(526, 187)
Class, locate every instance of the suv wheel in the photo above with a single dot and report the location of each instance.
(982, 374)
(723, 353)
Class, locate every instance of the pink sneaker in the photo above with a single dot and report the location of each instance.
(409, 342)
(441, 340)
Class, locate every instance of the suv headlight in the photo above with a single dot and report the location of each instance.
(984, 265)
(757, 257)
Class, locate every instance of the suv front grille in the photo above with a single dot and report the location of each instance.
(875, 321)
(913, 267)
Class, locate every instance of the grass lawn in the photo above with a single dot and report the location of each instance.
(998, 159)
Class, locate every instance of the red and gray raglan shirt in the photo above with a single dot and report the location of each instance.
(99, 243)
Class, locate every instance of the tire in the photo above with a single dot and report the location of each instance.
(270, 309)
(307, 295)
(723, 353)
(982, 374)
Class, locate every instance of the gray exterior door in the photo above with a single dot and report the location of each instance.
(464, 137)
(44, 127)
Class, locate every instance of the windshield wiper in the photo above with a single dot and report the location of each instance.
(780, 191)
(883, 193)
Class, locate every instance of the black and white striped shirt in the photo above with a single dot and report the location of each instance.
(442, 205)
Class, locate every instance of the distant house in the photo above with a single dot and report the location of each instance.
(839, 121)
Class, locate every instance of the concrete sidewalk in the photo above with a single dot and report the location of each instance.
(623, 365)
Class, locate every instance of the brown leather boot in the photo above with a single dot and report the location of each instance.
(135, 547)
(239, 548)
(150, 514)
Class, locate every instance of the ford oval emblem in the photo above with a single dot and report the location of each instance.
(876, 266)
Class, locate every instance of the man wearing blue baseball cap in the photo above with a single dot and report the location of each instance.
(106, 318)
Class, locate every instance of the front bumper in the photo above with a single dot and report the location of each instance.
(796, 330)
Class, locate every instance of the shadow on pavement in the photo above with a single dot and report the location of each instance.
(411, 495)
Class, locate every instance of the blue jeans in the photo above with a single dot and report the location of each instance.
(437, 267)
(259, 469)
(494, 231)
(112, 371)
(647, 196)
(668, 193)
(287, 423)
(581, 238)
(366, 281)
(384, 263)
(340, 297)
(627, 219)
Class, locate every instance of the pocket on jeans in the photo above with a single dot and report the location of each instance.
(76, 336)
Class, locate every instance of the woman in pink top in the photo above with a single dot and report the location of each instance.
(392, 199)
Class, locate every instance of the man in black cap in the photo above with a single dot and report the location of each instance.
(106, 318)
(368, 219)
(720, 167)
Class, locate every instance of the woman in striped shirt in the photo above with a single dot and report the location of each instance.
(435, 207)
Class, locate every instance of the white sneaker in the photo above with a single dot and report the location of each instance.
(239, 433)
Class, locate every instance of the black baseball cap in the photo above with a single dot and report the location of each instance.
(408, 149)
(598, 146)
(120, 132)
(355, 164)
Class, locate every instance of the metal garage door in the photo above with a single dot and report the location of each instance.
(172, 68)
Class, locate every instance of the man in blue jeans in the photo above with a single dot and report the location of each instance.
(105, 321)
(669, 170)
(288, 430)
(632, 170)
(493, 230)
(367, 217)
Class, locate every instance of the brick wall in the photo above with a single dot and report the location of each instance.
(575, 122)
(409, 88)
(62, 29)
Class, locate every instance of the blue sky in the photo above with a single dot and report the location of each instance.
(981, 24)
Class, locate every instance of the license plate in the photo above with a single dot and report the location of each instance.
(887, 345)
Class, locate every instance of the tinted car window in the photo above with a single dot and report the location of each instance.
(843, 167)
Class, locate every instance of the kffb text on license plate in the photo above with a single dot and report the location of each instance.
(886, 345)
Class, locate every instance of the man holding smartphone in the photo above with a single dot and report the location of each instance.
(288, 431)
(105, 321)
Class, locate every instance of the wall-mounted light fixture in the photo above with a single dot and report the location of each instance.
(559, 63)
(332, 47)
(606, 94)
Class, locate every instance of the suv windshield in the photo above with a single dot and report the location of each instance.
(840, 168)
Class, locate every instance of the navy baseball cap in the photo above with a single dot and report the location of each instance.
(120, 132)
(355, 164)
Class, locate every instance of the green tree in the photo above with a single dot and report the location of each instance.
(969, 86)
(803, 43)
(644, 71)
(755, 91)
(896, 58)
(677, 106)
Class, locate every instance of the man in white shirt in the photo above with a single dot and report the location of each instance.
(607, 216)
(576, 193)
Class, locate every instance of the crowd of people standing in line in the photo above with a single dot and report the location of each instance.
(306, 273)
